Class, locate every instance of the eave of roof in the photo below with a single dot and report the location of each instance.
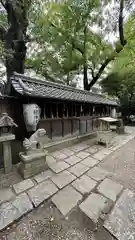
(27, 86)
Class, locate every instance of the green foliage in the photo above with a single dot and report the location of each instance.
(60, 33)
(65, 38)
(65, 33)
(120, 82)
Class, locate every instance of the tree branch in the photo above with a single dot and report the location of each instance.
(117, 50)
(92, 72)
(121, 31)
(3, 4)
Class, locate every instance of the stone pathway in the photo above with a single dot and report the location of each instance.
(74, 180)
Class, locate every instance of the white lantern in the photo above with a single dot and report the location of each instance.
(31, 114)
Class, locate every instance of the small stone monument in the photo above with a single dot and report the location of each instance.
(33, 159)
(6, 136)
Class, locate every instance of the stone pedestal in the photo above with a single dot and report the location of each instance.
(104, 137)
(32, 163)
(7, 155)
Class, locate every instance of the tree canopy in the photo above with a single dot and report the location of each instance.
(69, 43)
(69, 37)
(121, 80)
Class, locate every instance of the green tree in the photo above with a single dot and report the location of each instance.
(13, 28)
(64, 32)
(121, 84)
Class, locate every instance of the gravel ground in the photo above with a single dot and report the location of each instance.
(46, 223)
(122, 165)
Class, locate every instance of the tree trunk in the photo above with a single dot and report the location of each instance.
(85, 66)
(15, 42)
(85, 77)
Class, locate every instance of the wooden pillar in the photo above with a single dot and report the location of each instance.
(57, 114)
(62, 122)
(67, 109)
(44, 114)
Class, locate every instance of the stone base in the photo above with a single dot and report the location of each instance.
(104, 137)
(32, 164)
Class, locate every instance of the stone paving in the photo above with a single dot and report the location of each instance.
(74, 180)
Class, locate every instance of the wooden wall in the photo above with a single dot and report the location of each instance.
(56, 127)
(67, 127)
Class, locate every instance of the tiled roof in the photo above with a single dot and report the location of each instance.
(36, 88)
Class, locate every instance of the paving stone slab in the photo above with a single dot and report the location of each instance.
(67, 152)
(110, 189)
(78, 169)
(113, 148)
(59, 166)
(97, 173)
(6, 194)
(121, 221)
(11, 211)
(42, 192)
(84, 184)
(102, 154)
(22, 203)
(92, 150)
(66, 199)
(92, 207)
(72, 160)
(90, 162)
(62, 179)
(50, 160)
(59, 155)
(43, 176)
(8, 214)
(82, 154)
(23, 186)
(79, 147)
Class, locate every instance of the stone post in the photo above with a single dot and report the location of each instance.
(7, 157)
(6, 124)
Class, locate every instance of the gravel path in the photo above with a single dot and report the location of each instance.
(122, 165)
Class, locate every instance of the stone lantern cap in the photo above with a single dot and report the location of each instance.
(6, 121)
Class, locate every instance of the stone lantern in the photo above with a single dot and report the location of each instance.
(6, 136)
